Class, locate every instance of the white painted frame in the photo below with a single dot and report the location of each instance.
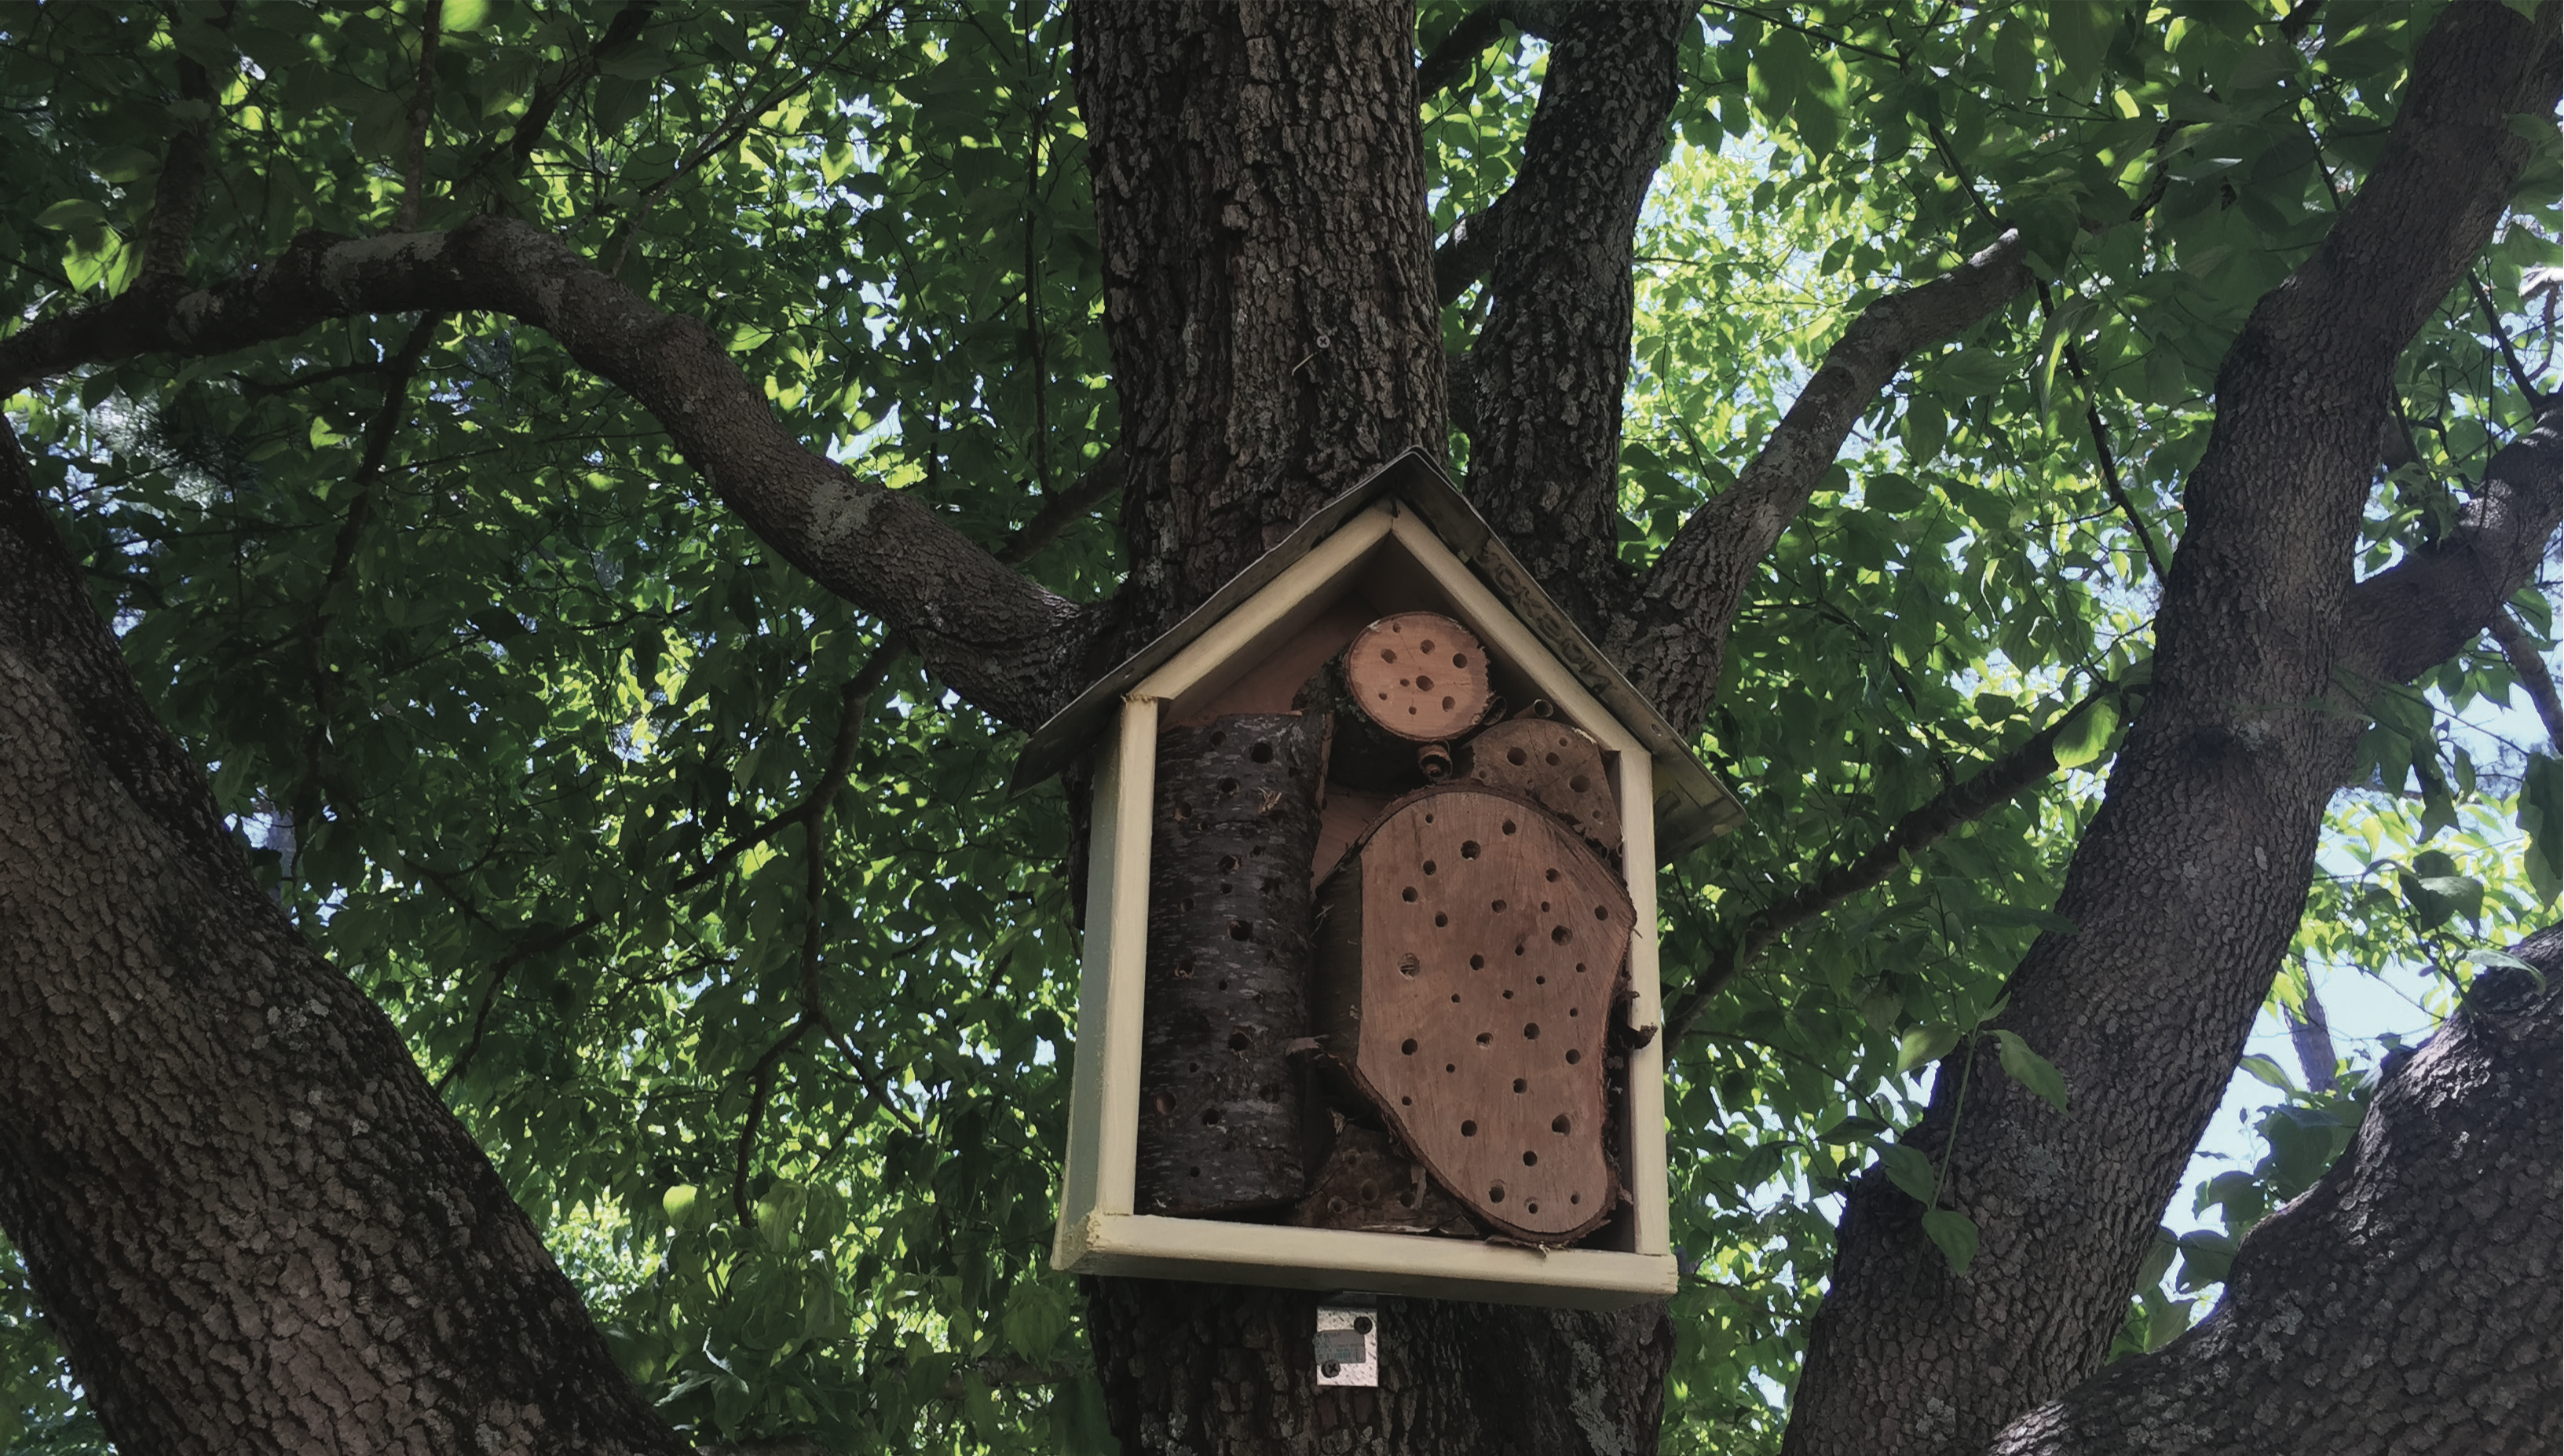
(1098, 1231)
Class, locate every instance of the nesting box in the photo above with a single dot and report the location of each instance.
(1369, 996)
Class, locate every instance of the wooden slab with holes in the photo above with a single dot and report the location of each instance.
(1228, 965)
(1367, 1183)
(1468, 952)
(1553, 763)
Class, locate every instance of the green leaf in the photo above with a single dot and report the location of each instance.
(2437, 893)
(680, 1205)
(2266, 1071)
(69, 212)
(2030, 1069)
(1955, 1233)
(1911, 1169)
(2541, 815)
(2086, 736)
(1929, 1042)
(1036, 1315)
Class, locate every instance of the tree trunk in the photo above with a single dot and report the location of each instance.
(1206, 1369)
(2409, 1302)
(1259, 196)
(252, 1224)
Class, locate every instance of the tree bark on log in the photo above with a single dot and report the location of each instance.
(252, 1223)
(2409, 1301)
(1230, 922)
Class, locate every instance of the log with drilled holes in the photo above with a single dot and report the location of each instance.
(1400, 691)
(1558, 765)
(1220, 1100)
(1468, 952)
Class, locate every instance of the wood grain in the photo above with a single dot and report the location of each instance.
(1553, 763)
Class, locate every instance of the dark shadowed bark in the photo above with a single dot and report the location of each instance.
(252, 1224)
(1259, 195)
(1549, 364)
(1194, 1369)
(2408, 1302)
(2189, 881)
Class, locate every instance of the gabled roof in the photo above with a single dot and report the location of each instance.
(1692, 806)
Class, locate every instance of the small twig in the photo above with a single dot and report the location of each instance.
(1998, 783)
(422, 104)
(1058, 512)
(2531, 669)
(1457, 53)
(2520, 375)
(173, 224)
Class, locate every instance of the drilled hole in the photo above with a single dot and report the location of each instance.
(1498, 907)
(1540, 981)
(1440, 920)
(1558, 936)
(1560, 1124)
(1519, 946)
(1408, 1046)
(1407, 964)
(1427, 644)
(1469, 849)
(1210, 1117)
(1553, 760)
(1602, 912)
(1218, 737)
(1446, 704)
(1553, 877)
(1389, 654)
(1407, 894)
(1240, 931)
(1429, 866)
(1495, 1193)
(1192, 1172)
(1579, 783)
(1572, 1010)
(1477, 962)
(1423, 683)
(1580, 968)
(1455, 998)
(1406, 1102)
(1531, 1205)
(1468, 1130)
(1486, 1038)
(1451, 1066)
(1521, 1084)
(1261, 753)
(1531, 1031)
(1509, 995)
(1223, 985)
(1228, 785)
(1529, 1159)
(1517, 757)
(1573, 1057)
(1459, 659)
(1227, 863)
(1239, 1041)
(1574, 1198)
(1510, 826)
(1370, 1192)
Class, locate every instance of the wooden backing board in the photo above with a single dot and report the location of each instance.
(1468, 955)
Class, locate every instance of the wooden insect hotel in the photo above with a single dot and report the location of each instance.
(1370, 994)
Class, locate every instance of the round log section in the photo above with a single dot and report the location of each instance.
(1229, 917)
(1420, 675)
(1469, 950)
(1556, 765)
(1400, 693)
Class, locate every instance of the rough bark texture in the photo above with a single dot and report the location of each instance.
(1259, 189)
(1228, 965)
(1190, 1368)
(1550, 364)
(2191, 879)
(252, 1224)
(1006, 644)
(2438, 1230)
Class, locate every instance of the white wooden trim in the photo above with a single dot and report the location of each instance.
(1233, 638)
(1143, 1246)
(1647, 1064)
(1512, 642)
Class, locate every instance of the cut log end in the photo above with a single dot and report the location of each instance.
(1419, 675)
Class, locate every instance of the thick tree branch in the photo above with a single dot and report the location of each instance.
(1552, 360)
(1674, 647)
(2407, 1302)
(1005, 644)
(1460, 47)
(1101, 482)
(2425, 608)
